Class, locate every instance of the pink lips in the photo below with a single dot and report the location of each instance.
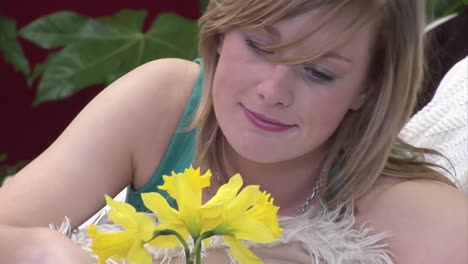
(265, 123)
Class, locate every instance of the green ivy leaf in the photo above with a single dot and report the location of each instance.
(453, 8)
(64, 28)
(436, 9)
(38, 71)
(126, 21)
(173, 34)
(9, 169)
(98, 51)
(202, 4)
(10, 47)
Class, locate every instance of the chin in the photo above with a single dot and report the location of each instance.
(258, 152)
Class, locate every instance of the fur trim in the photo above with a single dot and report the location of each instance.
(315, 237)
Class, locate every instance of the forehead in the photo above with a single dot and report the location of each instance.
(338, 36)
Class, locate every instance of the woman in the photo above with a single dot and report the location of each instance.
(305, 98)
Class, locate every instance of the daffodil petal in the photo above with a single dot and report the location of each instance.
(187, 200)
(209, 224)
(241, 252)
(188, 203)
(168, 186)
(226, 192)
(242, 226)
(246, 198)
(247, 228)
(110, 244)
(169, 241)
(265, 212)
(193, 180)
(121, 213)
(205, 178)
(146, 226)
(179, 228)
(159, 206)
(196, 178)
(139, 255)
(192, 177)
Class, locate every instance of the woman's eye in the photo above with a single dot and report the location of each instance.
(257, 47)
(319, 75)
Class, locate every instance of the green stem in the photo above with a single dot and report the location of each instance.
(198, 256)
(198, 244)
(168, 232)
(193, 253)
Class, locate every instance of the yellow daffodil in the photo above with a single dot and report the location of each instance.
(126, 244)
(192, 218)
(249, 216)
(245, 215)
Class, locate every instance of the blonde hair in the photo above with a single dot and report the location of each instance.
(365, 145)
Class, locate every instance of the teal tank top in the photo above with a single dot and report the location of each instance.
(179, 154)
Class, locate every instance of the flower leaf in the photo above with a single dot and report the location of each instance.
(10, 47)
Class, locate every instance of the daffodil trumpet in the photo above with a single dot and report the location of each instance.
(235, 214)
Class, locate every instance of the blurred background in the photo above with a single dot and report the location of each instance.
(55, 56)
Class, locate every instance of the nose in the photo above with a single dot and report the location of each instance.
(274, 88)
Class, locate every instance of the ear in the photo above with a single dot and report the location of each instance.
(220, 44)
(360, 99)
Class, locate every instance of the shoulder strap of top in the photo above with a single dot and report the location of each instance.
(179, 154)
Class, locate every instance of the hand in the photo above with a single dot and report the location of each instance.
(45, 246)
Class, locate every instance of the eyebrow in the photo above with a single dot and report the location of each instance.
(274, 32)
(335, 55)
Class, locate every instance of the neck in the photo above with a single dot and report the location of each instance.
(289, 182)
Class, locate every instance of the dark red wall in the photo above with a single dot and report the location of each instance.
(26, 131)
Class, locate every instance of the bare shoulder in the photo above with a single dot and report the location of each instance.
(116, 140)
(160, 85)
(427, 220)
(165, 76)
(170, 71)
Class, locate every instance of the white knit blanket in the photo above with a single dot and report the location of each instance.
(443, 124)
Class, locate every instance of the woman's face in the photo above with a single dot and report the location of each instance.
(273, 112)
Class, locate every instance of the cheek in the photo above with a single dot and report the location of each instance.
(220, 91)
(324, 113)
(220, 81)
(231, 82)
(223, 94)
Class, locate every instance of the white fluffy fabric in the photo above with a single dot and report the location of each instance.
(315, 237)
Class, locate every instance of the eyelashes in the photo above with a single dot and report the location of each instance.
(319, 75)
(257, 47)
(313, 73)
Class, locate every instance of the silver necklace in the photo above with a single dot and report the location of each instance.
(315, 192)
